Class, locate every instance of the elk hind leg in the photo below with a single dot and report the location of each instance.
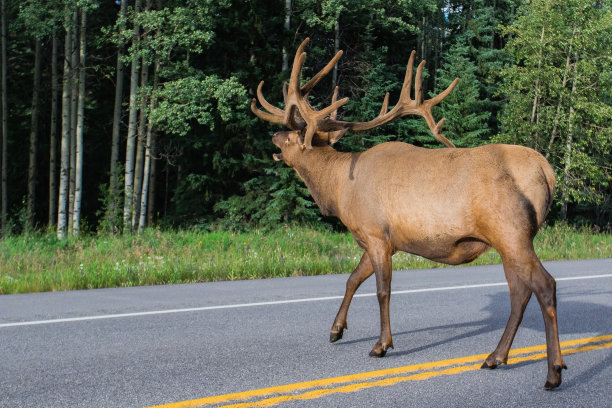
(519, 297)
(360, 274)
(532, 273)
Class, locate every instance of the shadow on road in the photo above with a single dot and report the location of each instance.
(575, 317)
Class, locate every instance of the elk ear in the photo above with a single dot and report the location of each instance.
(336, 135)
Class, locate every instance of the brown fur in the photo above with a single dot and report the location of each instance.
(448, 205)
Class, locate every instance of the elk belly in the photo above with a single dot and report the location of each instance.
(444, 248)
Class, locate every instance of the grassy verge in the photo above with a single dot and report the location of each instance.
(43, 263)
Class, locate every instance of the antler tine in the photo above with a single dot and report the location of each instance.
(408, 77)
(418, 81)
(293, 94)
(271, 108)
(440, 124)
(268, 117)
(436, 100)
(296, 69)
(274, 114)
(315, 79)
(334, 114)
(385, 105)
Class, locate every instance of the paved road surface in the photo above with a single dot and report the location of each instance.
(175, 345)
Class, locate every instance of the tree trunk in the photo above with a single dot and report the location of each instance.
(144, 196)
(114, 174)
(140, 148)
(166, 186)
(74, 95)
(553, 133)
(146, 178)
(62, 216)
(534, 106)
(287, 28)
(131, 137)
(33, 167)
(152, 177)
(4, 103)
(423, 50)
(53, 135)
(336, 49)
(569, 140)
(78, 182)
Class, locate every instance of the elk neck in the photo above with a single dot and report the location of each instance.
(321, 169)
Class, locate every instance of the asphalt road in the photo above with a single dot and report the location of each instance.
(136, 347)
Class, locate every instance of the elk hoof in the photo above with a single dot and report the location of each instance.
(551, 385)
(379, 353)
(486, 366)
(334, 337)
(494, 365)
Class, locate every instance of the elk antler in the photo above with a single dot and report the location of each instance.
(300, 115)
(406, 105)
(296, 100)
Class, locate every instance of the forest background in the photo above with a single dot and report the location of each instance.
(117, 115)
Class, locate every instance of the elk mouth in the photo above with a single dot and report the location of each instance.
(277, 156)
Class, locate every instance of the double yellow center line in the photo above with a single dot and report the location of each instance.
(265, 397)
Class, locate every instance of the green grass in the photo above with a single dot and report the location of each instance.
(38, 263)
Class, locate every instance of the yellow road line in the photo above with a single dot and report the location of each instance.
(395, 380)
(353, 378)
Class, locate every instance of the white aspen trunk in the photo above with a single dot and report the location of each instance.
(33, 166)
(140, 148)
(288, 7)
(145, 184)
(53, 135)
(132, 131)
(78, 183)
(4, 103)
(113, 182)
(62, 215)
(146, 179)
(74, 63)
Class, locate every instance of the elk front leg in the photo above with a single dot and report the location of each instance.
(360, 274)
(380, 257)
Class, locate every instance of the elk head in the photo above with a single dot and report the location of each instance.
(321, 127)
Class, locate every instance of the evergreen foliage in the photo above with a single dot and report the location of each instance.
(536, 73)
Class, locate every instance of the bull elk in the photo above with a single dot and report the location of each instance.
(449, 205)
